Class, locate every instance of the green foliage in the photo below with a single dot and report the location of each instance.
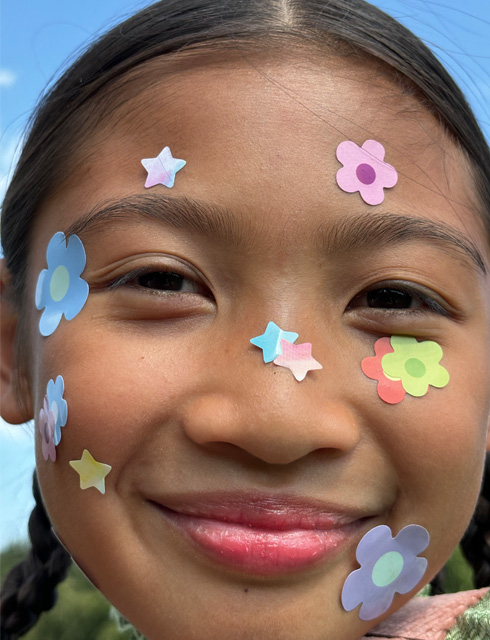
(81, 613)
(459, 574)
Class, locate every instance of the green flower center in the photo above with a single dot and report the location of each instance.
(60, 283)
(415, 368)
(387, 568)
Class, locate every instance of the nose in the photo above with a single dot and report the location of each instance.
(262, 410)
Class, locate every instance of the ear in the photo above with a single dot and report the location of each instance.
(13, 410)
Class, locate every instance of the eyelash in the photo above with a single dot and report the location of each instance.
(128, 280)
(429, 304)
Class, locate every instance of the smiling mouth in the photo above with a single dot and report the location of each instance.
(263, 536)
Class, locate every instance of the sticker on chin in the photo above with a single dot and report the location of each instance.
(387, 566)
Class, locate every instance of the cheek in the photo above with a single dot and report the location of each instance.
(121, 393)
(437, 445)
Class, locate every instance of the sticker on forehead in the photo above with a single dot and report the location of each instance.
(162, 169)
(404, 365)
(60, 290)
(388, 566)
(365, 170)
(297, 358)
(91, 472)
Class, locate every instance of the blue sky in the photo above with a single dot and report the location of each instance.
(38, 36)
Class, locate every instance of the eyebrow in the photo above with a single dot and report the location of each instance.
(380, 230)
(179, 212)
(356, 232)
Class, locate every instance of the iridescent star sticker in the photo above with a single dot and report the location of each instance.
(297, 358)
(91, 472)
(162, 169)
(270, 341)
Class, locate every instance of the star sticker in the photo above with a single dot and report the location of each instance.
(297, 358)
(162, 169)
(91, 472)
(270, 341)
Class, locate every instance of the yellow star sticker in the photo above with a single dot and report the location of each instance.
(91, 472)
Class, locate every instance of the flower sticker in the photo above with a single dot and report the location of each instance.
(403, 365)
(416, 364)
(60, 290)
(389, 390)
(364, 170)
(46, 427)
(388, 566)
(57, 405)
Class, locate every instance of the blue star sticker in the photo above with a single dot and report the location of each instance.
(270, 341)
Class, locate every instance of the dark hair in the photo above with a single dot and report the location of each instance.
(82, 97)
(30, 587)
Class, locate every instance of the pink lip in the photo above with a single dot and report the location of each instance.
(260, 534)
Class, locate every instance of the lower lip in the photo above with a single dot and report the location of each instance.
(262, 551)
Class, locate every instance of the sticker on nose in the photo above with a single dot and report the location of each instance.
(297, 358)
(270, 341)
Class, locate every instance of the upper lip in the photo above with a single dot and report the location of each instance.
(262, 511)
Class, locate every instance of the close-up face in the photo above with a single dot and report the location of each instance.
(238, 494)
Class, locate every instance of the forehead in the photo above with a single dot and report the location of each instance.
(258, 130)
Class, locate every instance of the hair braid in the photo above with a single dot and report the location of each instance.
(30, 587)
(476, 541)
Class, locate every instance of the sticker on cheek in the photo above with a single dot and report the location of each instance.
(404, 365)
(47, 423)
(57, 405)
(60, 290)
(389, 390)
(297, 358)
(387, 566)
(162, 169)
(365, 170)
(91, 472)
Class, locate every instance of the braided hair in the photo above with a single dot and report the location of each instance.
(30, 586)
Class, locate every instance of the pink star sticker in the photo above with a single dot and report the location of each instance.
(162, 169)
(297, 358)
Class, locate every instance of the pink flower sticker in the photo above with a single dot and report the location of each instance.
(365, 170)
(389, 389)
(47, 423)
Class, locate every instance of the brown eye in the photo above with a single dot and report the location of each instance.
(165, 281)
(389, 299)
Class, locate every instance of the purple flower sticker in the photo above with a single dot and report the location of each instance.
(365, 170)
(47, 422)
(388, 566)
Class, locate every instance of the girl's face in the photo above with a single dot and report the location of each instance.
(237, 494)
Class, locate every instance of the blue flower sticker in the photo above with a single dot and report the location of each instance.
(388, 566)
(57, 405)
(60, 290)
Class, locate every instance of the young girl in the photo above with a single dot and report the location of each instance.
(246, 298)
